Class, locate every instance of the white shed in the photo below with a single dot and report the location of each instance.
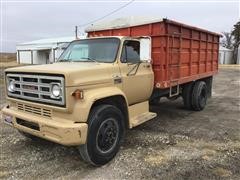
(238, 55)
(225, 56)
(42, 51)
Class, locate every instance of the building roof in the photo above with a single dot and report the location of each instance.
(122, 22)
(49, 41)
(221, 48)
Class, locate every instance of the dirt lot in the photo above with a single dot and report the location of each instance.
(178, 144)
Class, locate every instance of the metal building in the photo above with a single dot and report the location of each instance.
(225, 55)
(42, 51)
(238, 55)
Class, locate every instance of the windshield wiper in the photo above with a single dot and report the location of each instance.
(70, 60)
(91, 59)
(64, 60)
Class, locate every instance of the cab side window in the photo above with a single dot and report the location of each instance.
(131, 52)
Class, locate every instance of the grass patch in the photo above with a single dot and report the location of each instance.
(7, 57)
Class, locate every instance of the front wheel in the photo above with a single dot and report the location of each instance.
(105, 132)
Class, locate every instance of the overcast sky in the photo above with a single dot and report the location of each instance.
(26, 21)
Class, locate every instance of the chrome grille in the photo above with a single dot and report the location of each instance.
(36, 88)
(34, 110)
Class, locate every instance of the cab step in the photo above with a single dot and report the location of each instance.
(139, 113)
(142, 118)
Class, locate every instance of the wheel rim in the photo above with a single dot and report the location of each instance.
(107, 135)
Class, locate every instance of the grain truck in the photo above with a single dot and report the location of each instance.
(102, 85)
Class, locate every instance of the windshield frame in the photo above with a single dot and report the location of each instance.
(89, 39)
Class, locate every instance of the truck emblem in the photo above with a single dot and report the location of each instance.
(29, 87)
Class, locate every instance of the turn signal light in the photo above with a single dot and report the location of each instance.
(78, 94)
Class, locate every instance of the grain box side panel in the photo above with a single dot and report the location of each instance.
(189, 54)
(180, 52)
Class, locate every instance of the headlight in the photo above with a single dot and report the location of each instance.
(11, 86)
(56, 90)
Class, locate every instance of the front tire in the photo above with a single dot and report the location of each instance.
(105, 132)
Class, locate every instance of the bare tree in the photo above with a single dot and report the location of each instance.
(227, 40)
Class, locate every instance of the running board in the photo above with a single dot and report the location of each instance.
(139, 113)
(142, 118)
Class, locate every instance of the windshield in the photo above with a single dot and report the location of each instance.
(98, 50)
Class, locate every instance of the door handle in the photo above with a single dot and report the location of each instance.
(117, 79)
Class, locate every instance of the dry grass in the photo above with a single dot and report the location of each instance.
(229, 65)
(8, 64)
(8, 60)
(7, 57)
(222, 172)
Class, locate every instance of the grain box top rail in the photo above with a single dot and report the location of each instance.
(138, 21)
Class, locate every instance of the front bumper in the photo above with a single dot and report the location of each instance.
(65, 133)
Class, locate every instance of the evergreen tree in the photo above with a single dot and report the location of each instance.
(236, 39)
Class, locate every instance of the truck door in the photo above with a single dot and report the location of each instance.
(136, 72)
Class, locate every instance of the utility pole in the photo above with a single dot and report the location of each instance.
(76, 32)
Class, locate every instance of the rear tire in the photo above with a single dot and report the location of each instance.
(187, 96)
(199, 95)
(105, 132)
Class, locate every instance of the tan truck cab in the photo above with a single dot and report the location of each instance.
(98, 88)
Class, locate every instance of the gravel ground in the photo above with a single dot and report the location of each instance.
(178, 144)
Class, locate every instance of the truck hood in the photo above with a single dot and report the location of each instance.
(75, 73)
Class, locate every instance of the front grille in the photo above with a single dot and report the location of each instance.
(34, 110)
(36, 88)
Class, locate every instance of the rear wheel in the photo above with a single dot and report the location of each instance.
(187, 96)
(105, 132)
(199, 96)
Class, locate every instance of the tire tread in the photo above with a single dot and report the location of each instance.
(187, 96)
(199, 85)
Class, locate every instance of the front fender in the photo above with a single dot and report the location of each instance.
(82, 107)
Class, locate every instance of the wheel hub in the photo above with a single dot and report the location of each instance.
(107, 135)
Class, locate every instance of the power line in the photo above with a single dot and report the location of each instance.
(98, 19)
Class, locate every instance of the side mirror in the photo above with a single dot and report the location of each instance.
(145, 49)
